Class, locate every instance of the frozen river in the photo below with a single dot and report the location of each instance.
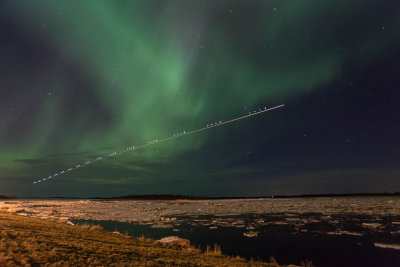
(324, 230)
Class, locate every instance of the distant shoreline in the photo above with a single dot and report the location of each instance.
(316, 195)
(7, 197)
(185, 197)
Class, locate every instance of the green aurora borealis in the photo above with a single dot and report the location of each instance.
(81, 79)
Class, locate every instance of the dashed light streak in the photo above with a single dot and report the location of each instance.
(156, 141)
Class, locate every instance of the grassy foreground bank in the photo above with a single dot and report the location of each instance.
(28, 241)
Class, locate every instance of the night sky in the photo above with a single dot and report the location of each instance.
(82, 79)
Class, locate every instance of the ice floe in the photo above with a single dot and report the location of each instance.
(392, 246)
(349, 216)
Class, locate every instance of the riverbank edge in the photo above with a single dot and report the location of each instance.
(28, 240)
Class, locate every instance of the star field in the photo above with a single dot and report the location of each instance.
(84, 79)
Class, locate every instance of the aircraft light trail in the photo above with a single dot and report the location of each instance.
(156, 141)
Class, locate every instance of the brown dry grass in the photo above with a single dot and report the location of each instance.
(214, 251)
(27, 241)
